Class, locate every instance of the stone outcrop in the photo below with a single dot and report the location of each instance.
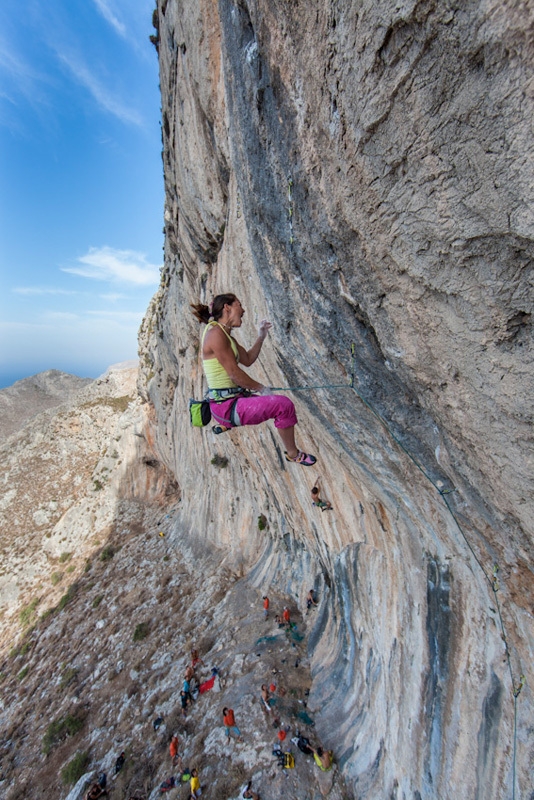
(362, 173)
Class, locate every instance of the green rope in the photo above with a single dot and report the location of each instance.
(493, 581)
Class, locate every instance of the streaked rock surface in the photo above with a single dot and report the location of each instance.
(363, 173)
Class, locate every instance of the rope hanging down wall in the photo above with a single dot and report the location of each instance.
(491, 578)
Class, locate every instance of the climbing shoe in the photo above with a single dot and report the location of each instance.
(302, 458)
(219, 429)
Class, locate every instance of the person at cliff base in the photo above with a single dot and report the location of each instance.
(265, 606)
(173, 750)
(235, 398)
(324, 505)
(196, 790)
(184, 702)
(265, 698)
(229, 723)
(96, 791)
(323, 758)
(119, 763)
(310, 600)
(248, 793)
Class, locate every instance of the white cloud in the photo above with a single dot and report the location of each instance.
(98, 90)
(38, 290)
(112, 297)
(116, 266)
(104, 9)
(119, 316)
(61, 316)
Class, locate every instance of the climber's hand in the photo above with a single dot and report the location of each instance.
(264, 328)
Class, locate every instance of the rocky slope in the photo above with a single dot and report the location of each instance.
(362, 173)
(60, 479)
(30, 396)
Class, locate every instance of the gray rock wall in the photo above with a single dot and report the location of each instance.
(362, 172)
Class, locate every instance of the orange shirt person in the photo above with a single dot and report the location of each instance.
(229, 723)
(265, 607)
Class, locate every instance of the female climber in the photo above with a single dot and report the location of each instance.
(235, 398)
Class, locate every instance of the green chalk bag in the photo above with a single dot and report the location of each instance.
(200, 413)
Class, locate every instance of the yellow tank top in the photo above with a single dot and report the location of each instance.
(216, 375)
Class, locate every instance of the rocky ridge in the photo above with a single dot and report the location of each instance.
(30, 396)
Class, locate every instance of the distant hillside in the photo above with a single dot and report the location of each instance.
(29, 396)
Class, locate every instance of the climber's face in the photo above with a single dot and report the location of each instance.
(235, 313)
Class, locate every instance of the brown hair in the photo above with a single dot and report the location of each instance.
(215, 311)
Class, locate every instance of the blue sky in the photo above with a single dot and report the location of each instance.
(81, 187)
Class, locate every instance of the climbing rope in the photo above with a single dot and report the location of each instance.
(492, 579)
(290, 208)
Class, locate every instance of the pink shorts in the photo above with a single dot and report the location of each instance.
(256, 409)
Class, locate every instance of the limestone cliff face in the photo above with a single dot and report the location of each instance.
(362, 172)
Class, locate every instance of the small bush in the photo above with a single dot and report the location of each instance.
(98, 599)
(98, 485)
(24, 648)
(22, 674)
(55, 578)
(71, 568)
(59, 730)
(64, 557)
(67, 597)
(141, 632)
(221, 462)
(87, 566)
(67, 676)
(107, 553)
(27, 614)
(262, 522)
(74, 770)
(116, 403)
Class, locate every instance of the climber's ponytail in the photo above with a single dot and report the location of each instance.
(205, 313)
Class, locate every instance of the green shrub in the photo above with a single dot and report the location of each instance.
(71, 568)
(141, 632)
(98, 485)
(55, 578)
(107, 553)
(74, 770)
(219, 461)
(67, 676)
(65, 557)
(59, 730)
(262, 522)
(116, 403)
(67, 597)
(22, 674)
(27, 613)
(98, 599)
